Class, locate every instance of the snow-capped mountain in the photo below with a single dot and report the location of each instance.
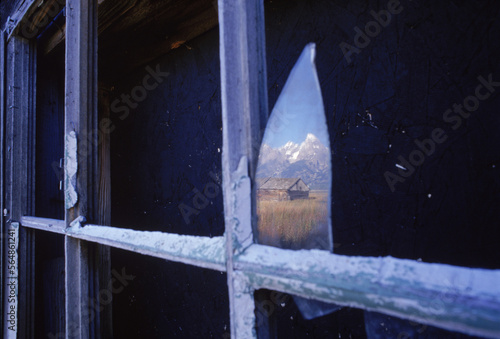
(308, 161)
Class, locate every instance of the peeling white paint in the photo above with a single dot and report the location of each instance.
(242, 207)
(70, 169)
(200, 251)
(244, 303)
(77, 223)
(456, 298)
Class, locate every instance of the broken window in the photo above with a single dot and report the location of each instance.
(467, 298)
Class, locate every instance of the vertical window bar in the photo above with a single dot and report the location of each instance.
(80, 163)
(2, 126)
(19, 165)
(244, 116)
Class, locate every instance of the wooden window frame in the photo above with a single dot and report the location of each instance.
(454, 298)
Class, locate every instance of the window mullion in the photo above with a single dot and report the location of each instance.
(19, 118)
(80, 161)
(2, 155)
(244, 114)
(436, 294)
(202, 252)
(44, 224)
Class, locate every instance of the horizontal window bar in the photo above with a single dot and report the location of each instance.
(455, 298)
(198, 251)
(44, 224)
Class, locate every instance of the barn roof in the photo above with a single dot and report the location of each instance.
(276, 183)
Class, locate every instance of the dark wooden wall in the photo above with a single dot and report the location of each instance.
(396, 90)
(165, 157)
(392, 93)
(167, 151)
(427, 58)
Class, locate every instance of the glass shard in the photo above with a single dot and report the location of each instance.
(294, 172)
(294, 168)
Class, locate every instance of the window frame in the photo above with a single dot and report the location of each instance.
(451, 297)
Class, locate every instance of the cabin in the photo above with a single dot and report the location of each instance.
(129, 140)
(282, 189)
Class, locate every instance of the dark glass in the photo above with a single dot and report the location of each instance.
(384, 99)
(49, 202)
(160, 299)
(278, 313)
(166, 136)
(49, 284)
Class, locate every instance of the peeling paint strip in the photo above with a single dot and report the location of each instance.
(198, 251)
(44, 224)
(244, 303)
(70, 169)
(77, 223)
(241, 222)
(455, 298)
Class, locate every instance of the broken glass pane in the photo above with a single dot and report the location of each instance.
(294, 168)
(294, 172)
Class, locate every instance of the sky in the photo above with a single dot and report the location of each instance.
(299, 109)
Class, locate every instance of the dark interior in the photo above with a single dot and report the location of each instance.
(49, 203)
(391, 97)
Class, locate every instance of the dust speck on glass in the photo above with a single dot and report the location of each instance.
(294, 172)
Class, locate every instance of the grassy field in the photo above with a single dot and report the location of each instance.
(293, 224)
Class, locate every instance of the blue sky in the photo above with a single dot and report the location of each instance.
(299, 108)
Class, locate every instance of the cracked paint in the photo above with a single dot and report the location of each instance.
(200, 251)
(70, 170)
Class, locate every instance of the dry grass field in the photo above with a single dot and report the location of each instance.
(293, 224)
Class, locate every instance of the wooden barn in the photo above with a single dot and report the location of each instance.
(282, 189)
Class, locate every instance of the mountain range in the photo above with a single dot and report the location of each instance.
(309, 161)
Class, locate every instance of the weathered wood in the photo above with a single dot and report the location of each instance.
(77, 289)
(81, 103)
(81, 119)
(19, 166)
(244, 113)
(198, 251)
(40, 16)
(455, 298)
(111, 11)
(2, 157)
(19, 11)
(55, 39)
(30, 18)
(127, 28)
(44, 224)
(144, 30)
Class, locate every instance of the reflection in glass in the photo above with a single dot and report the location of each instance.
(294, 172)
(346, 323)
(294, 169)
